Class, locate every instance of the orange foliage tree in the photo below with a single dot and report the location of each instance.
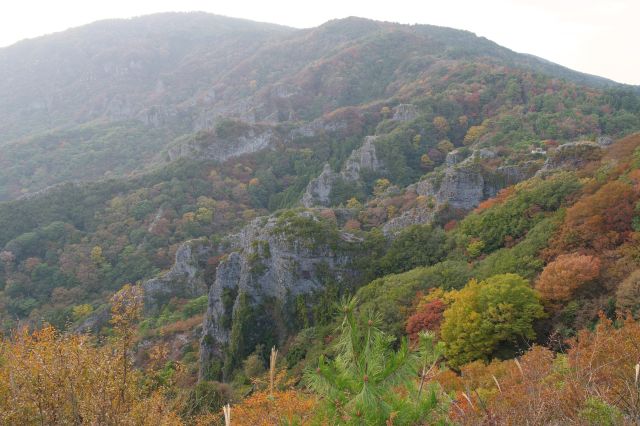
(284, 405)
(562, 277)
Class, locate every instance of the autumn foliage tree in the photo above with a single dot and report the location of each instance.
(598, 221)
(47, 377)
(594, 383)
(562, 277)
(428, 317)
(285, 405)
(628, 294)
(487, 316)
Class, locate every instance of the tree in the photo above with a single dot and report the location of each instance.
(126, 310)
(488, 317)
(562, 277)
(416, 245)
(428, 317)
(473, 134)
(628, 294)
(51, 378)
(426, 162)
(599, 221)
(367, 382)
(381, 186)
(445, 146)
(441, 124)
(284, 406)
(353, 203)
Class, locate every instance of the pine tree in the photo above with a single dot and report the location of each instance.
(367, 382)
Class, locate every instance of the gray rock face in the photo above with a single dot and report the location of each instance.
(518, 172)
(414, 216)
(604, 141)
(364, 158)
(405, 112)
(465, 185)
(454, 157)
(184, 279)
(461, 187)
(571, 156)
(267, 268)
(319, 189)
(212, 147)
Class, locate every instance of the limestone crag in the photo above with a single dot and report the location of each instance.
(319, 189)
(318, 192)
(571, 156)
(464, 184)
(405, 112)
(185, 278)
(267, 268)
(211, 146)
(363, 158)
(418, 215)
(514, 173)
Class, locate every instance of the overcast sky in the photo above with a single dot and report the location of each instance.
(594, 36)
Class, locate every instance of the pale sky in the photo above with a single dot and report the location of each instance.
(594, 36)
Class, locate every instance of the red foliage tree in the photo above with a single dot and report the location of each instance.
(428, 316)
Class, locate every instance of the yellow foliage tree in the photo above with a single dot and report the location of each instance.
(51, 378)
(473, 134)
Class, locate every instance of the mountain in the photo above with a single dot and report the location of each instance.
(195, 190)
(102, 100)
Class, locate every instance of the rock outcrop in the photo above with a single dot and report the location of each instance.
(417, 215)
(184, 279)
(462, 187)
(274, 263)
(363, 158)
(405, 112)
(221, 146)
(318, 192)
(571, 156)
(464, 184)
(604, 141)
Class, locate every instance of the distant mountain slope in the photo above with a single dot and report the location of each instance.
(115, 69)
(103, 99)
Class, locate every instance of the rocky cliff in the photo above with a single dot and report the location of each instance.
(318, 192)
(185, 279)
(274, 266)
(462, 184)
(225, 142)
(573, 155)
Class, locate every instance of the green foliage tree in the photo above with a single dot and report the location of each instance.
(367, 382)
(417, 245)
(488, 318)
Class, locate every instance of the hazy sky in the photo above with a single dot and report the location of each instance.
(595, 36)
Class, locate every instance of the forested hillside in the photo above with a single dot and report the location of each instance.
(427, 228)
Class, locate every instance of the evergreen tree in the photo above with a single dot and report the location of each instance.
(368, 383)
